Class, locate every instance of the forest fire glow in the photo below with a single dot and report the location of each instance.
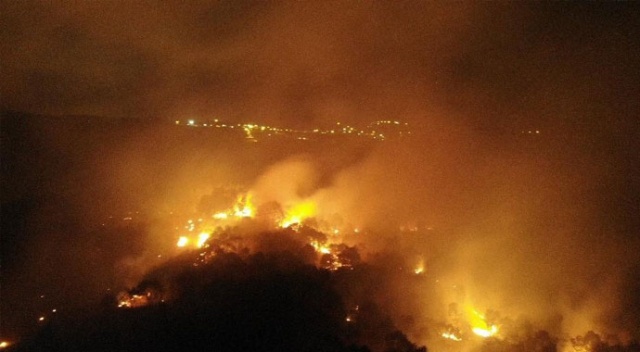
(298, 213)
(479, 325)
(242, 176)
(320, 248)
(202, 239)
(244, 207)
(482, 332)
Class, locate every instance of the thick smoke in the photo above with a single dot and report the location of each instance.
(519, 232)
(509, 234)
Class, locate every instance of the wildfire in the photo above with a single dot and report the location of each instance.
(320, 248)
(297, 213)
(476, 323)
(135, 300)
(479, 325)
(202, 239)
(332, 254)
(199, 242)
(482, 332)
(243, 208)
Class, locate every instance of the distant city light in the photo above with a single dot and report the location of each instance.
(254, 131)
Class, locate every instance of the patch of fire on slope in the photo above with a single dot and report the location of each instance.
(267, 291)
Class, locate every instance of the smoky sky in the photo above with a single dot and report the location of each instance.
(514, 65)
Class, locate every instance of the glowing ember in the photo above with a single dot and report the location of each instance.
(183, 241)
(221, 216)
(451, 336)
(419, 269)
(125, 300)
(4, 344)
(335, 256)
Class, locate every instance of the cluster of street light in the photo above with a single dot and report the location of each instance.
(378, 130)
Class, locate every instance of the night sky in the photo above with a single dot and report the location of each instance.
(496, 65)
(523, 162)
